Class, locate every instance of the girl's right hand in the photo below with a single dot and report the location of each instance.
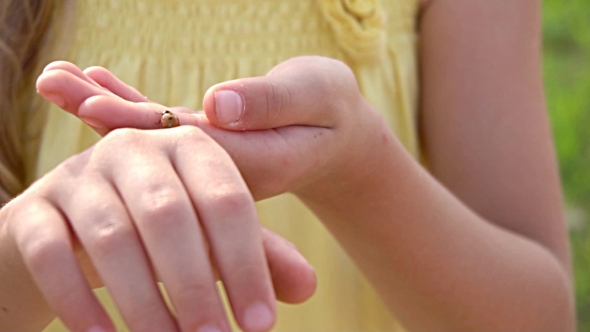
(147, 205)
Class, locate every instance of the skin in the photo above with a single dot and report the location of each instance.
(128, 212)
(115, 216)
(477, 242)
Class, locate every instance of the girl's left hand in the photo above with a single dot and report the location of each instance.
(300, 128)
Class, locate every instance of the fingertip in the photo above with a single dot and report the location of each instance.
(46, 87)
(44, 81)
(50, 80)
(99, 74)
(225, 106)
(106, 326)
(229, 108)
(294, 279)
(60, 64)
(94, 69)
(298, 285)
(259, 317)
(39, 84)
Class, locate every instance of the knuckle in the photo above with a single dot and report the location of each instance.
(191, 138)
(66, 179)
(108, 237)
(117, 142)
(341, 79)
(68, 165)
(344, 80)
(24, 206)
(160, 205)
(191, 135)
(342, 67)
(41, 250)
(322, 85)
(72, 167)
(126, 137)
(231, 202)
(39, 246)
(278, 98)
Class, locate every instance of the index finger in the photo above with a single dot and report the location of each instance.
(112, 113)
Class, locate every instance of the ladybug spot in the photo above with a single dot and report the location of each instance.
(170, 118)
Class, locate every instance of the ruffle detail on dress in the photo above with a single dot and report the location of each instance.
(359, 27)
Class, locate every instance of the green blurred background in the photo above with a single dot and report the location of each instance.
(566, 30)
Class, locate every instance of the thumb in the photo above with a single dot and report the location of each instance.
(310, 91)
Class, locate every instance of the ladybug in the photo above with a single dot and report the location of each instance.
(169, 120)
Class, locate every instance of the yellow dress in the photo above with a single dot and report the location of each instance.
(173, 50)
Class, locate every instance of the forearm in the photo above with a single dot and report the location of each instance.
(22, 307)
(438, 265)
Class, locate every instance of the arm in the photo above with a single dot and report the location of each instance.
(482, 245)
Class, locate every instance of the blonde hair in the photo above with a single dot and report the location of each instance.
(23, 29)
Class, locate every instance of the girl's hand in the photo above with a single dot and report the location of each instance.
(143, 206)
(302, 126)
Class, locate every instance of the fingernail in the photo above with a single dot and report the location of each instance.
(228, 106)
(208, 328)
(258, 317)
(55, 98)
(96, 329)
